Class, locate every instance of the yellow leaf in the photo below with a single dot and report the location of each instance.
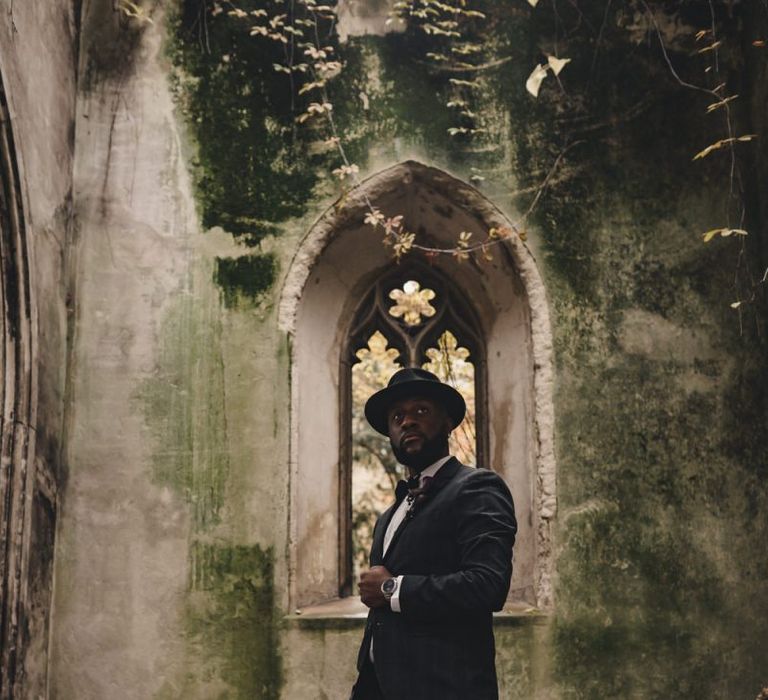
(704, 153)
(722, 103)
(311, 86)
(724, 232)
(711, 47)
(534, 79)
(533, 3)
(736, 305)
(723, 142)
(557, 64)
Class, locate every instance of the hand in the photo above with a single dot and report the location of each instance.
(370, 587)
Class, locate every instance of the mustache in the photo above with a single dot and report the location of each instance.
(412, 433)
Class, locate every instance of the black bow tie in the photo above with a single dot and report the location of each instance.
(404, 487)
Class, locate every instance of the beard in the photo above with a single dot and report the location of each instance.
(430, 452)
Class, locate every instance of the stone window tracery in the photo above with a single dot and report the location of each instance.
(412, 316)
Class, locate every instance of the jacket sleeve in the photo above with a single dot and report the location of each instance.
(485, 530)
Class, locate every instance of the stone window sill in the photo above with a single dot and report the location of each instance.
(350, 613)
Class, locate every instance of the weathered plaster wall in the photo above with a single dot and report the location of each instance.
(108, 601)
(193, 190)
(171, 517)
(37, 72)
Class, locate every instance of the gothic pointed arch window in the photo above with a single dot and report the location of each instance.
(352, 316)
(412, 316)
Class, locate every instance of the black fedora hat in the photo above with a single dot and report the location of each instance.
(412, 382)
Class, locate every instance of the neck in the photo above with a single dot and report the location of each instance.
(415, 471)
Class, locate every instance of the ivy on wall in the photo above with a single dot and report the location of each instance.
(274, 99)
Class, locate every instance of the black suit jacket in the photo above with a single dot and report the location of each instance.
(456, 557)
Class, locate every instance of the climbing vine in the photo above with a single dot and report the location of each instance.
(463, 42)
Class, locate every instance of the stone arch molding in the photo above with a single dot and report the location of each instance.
(27, 487)
(333, 267)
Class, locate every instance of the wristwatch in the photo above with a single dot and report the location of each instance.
(388, 587)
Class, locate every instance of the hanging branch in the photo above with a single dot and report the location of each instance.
(721, 102)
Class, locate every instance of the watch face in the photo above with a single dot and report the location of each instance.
(388, 587)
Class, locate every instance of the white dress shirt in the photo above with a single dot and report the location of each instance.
(397, 518)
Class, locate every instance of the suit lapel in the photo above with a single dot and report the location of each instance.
(443, 476)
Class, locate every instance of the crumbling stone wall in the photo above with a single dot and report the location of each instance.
(165, 198)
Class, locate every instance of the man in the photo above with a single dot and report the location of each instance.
(441, 559)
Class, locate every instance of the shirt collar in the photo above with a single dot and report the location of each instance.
(433, 468)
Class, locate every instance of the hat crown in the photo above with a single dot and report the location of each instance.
(412, 374)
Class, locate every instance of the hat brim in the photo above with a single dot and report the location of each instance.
(377, 407)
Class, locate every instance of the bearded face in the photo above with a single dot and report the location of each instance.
(418, 432)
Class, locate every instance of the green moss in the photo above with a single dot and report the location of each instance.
(232, 626)
(246, 278)
(628, 131)
(231, 618)
(649, 600)
(658, 460)
(252, 165)
(183, 403)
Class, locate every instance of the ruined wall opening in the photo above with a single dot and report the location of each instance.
(338, 267)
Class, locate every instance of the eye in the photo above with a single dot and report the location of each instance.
(397, 416)
(422, 410)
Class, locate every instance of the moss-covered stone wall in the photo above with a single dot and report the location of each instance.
(659, 458)
(180, 443)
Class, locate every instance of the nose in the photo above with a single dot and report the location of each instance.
(409, 420)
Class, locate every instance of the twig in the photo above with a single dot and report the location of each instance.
(547, 179)
(672, 70)
(707, 91)
(465, 68)
(487, 244)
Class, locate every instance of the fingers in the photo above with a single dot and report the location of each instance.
(370, 586)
